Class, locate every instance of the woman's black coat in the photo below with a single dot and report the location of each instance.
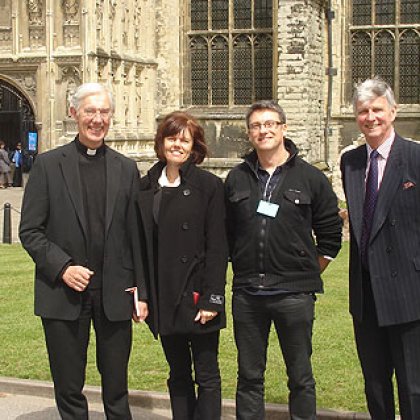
(185, 252)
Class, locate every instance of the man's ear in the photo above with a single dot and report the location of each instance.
(73, 112)
(394, 113)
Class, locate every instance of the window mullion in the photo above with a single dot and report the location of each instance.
(209, 70)
(397, 61)
(372, 52)
(230, 52)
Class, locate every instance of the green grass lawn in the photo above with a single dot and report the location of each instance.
(337, 371)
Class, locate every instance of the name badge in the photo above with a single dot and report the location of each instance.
(267, 209)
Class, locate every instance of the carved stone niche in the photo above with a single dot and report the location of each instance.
(71, 34)
(36, 37)
(102, 69)
(70, 11)
(5, 15)
(35, 12)
(5, 39)
(71, 30)
(70, 76)
(27, 81)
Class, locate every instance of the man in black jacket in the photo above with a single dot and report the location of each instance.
(275, 201)
(77, 220)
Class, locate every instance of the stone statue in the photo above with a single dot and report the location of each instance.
(70, 8)
(35, 11)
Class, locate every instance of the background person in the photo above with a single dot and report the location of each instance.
(77, 220)
(183, 217)
(381, 181)
(275, 201)
(17, 159)
(4, 167)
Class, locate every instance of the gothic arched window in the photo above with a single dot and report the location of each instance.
(385, 42)
(230, 52)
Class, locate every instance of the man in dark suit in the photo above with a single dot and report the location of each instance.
(77, 217)
(380, 182)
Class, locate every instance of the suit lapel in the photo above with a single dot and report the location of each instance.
(145, 204)
(71, 174)
(113, 180)
(391, 181)
(355, 175)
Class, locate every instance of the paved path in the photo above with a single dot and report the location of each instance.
(33, 400)
(22, 399)
(25, 407)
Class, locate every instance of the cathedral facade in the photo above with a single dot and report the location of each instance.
(212, 58)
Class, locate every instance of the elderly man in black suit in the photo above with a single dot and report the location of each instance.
(380, 182)
(77, 217)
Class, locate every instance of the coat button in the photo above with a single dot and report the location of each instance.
(184, 259)
(302, 253)
(186, 192)
(388, 249)
(185, 226)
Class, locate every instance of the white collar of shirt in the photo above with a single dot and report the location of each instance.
(384, 149)
(164, 181)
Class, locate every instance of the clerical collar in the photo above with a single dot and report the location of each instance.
(89, 152)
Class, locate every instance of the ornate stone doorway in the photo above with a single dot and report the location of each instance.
(17, 117)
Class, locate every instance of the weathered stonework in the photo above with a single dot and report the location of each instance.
(138, 48)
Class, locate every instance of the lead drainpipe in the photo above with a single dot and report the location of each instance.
(330, 72)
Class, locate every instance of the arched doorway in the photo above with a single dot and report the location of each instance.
(17, 117)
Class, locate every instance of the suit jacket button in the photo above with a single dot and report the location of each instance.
(394, 274)
(184, 259)
(302, 253)
(388, 249)
(186, 192)
(185, 226)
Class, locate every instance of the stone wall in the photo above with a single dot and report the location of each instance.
(301, 73)
(49, 47)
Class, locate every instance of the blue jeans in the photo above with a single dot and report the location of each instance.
(293, 317)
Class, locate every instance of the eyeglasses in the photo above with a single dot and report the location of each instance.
(269, 125)
(92, 112)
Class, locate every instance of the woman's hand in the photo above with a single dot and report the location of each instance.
(205, 316)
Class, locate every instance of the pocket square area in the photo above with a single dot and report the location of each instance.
(408, 185)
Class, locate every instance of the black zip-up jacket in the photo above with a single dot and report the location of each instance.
(281, 252)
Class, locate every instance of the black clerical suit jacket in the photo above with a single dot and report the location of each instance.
(394, 245)
(54, 232)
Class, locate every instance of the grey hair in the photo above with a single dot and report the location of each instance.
(88, 89)
(267, 104)
(371, 89)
